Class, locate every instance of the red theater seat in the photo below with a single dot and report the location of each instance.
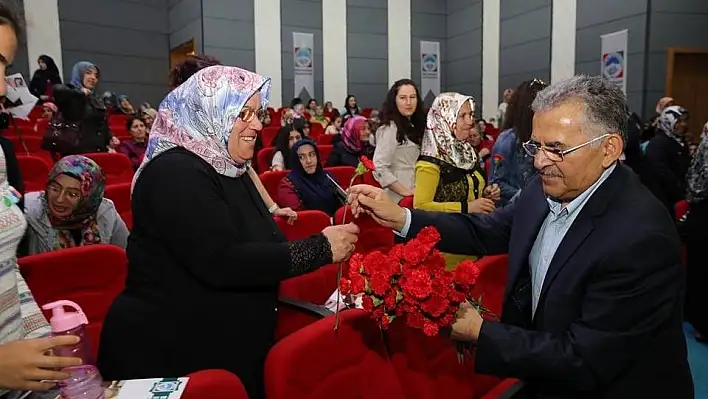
(92, 276)
(120, 195)
(264, 157)
(372, 236)
(214, 384)
(308, 223)
(116, 167)
(35, 172)
(271, 180)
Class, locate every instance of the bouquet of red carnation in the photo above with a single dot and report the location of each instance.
(411, 281)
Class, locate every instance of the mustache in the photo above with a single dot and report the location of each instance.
(550, 171)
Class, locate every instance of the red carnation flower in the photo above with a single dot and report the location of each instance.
(367, 303)
(435, 305)
(345, 286)
(368, 164)
(466, 274)
(430, 329)
(417, 284)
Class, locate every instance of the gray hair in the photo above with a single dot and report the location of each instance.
(605, 105)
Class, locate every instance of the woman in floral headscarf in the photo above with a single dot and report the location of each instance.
(353, 145)
(204, 246)
(447, 174)
(668, 157)
(72, 211)
(697, 241)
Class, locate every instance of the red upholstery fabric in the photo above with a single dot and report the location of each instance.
(488, 167)
(308, 223)
(372, 236)
(214, 384)
(120, 195)
(315, 288)
(268, 134)
(35, 172)
(325, 139)
(118, 119)
(91, 276)
(319, 363)
(681, 208)
(342, 174)
(491, 282)
(316, 130)
(271, 180)
(116, 167)
(406, 202)
(325, 150)
(368, 178)
(264, 157)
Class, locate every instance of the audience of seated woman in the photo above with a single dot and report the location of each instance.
(135, 147)
(353, 145)
(72, 211)
(307, 186)
(125, 107)
(149, 116)
(447, 175)
(334, 127)
(283, 142)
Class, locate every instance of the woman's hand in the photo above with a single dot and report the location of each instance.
(493, 192)
(86, 91)
(482, 205)
(114, 142)
(484, 152)
(25, 363)
(341, 240)
(288, 213)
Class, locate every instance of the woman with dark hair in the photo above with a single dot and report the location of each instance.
(398, 139)
(285, 139)
(135, 148)
(511, 167)
(184, 71)
(26, 360)
(46, 76)
(307, 186)
(350, 109)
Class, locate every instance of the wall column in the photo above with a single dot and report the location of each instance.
(490, 58)
(399, 40)
(43, 35)
(563, 39)
(266, 22)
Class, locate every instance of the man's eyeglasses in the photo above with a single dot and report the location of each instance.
(554, 154)
(247, 114)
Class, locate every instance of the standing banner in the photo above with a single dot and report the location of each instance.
(303, 44)
(429, 68)
(614, 58)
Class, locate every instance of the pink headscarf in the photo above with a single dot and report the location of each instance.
(351, 133)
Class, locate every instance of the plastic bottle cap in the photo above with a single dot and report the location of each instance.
(64, 321)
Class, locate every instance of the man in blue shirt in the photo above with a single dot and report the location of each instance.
(593, 303)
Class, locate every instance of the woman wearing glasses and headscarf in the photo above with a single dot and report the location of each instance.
(205, 254)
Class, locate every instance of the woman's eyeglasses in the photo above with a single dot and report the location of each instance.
(247, 114)
(57, 190)
(555, 154)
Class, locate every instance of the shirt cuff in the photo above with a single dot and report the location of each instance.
(406, 226)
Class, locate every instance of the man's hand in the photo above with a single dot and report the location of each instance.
(468, 324)
(374, 202)
(25, 363)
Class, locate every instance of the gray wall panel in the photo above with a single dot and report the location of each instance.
(524, 41)
(367, 52)
(128, 40)
(303, 16)
(428, 23)
(185, 23)
(462, 58)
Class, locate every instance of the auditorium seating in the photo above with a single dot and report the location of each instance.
(372, 236)
(92, 276)
(214, 384)
(116, 167)
(120, 195)
(35, 172)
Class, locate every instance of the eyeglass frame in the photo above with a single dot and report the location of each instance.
(247, 114)
(559, 153)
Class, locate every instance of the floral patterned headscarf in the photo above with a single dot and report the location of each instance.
(669, 118)
(83, 218)
(439, 139)
(697, 175)
(199, 114)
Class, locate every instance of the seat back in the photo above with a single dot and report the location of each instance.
(372, 236)
(116, 167)
(92, 276)
(325, 151)
(491, 283)
(319, 363)
(406, 202)
(271, 180)
(214, 384)
(268, 135)
(342, 174)
(120, 195)
(35, 172)
(264, 158)
(308, 223)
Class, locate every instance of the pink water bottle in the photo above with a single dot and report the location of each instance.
(85, 381)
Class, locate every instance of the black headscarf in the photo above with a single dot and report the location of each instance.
(315, 190)
(38, 84)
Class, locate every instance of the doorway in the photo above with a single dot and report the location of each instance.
(181, 52)
(687, 83)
